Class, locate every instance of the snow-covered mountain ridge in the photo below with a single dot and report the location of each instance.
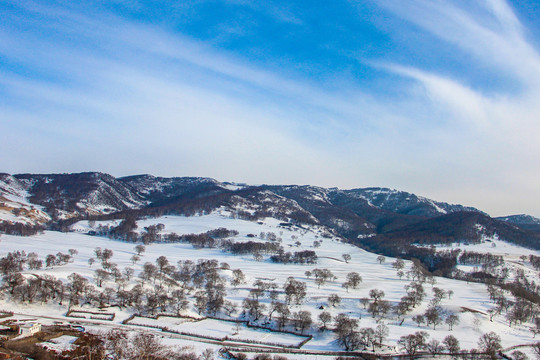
(354, 214)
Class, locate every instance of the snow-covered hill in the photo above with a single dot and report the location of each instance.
(67, 195)
(402, 202)
(470, 302)
(523, 221)
(354, 214)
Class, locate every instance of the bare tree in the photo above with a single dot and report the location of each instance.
(208, 354)
(433, 316)
(134, 259)
(452, 320)
(302, 320)
(238, 278)
(90, 346)
(106, 255)
(381, 333)
(140, 249)
(438, 295)
(146, 346)
(201, 300)
(364, 301)
(294, 290)
(346, 332)
(283, 313)
(128, 273)
(162, 262)
(398, 264)
(490, 343)
(34, 263)
(376, 294)
(367, 337)
(230, 308)
(353, 281)
(254, 308)
(117, 343)
(76, 287)
(434, 347)
(419, 319)
(334, 299)
(413, 343)
(451, 344)
(325, 317)
(536, 349)
(50, 260)
(100, 276)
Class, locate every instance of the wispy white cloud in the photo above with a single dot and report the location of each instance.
(492, 33)
(493, 132)
(104, 93)
(181, 106)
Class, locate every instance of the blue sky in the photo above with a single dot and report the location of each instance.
(435, 97)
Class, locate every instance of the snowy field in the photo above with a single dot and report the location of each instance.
(466, 297)
(224, 330)
(493, 246)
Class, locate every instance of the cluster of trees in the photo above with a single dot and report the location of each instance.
(271, 236)
(298, 257)
(17, 261)
(434, 316)
(121, 345)
(412, 344)
(210, 239)
(125, 231)
(486, 260)
(31, 288)
(519, 309)
(349, 334)
(442, 263)
(252, 247)
(488, 344)
(20, 229)
(159, 286)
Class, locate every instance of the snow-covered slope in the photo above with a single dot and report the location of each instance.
(523, 221)
(14, 204)
(471, 302)
(402, 202)
(72, 194)
(156, 189)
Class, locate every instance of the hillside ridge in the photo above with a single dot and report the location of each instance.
(360, 214)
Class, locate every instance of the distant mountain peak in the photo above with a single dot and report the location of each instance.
(523, 221)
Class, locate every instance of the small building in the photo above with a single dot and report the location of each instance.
(29, 329)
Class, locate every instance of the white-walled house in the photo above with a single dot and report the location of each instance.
(29, 329)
